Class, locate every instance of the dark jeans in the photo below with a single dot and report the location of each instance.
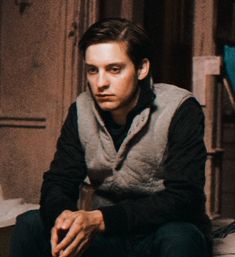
(173, 239)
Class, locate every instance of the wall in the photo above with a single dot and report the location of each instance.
(34, 46)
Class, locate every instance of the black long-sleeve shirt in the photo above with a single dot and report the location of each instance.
(183, 198)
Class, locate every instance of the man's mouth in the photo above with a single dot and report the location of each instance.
(104, 96)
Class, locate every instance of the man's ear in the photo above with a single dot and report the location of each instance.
(143, 69)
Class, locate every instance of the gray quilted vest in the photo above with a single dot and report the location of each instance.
(137, 169)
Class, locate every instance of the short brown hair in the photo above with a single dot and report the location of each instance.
(139, 45)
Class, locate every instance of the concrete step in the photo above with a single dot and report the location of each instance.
(11, 208)
(224, 247)
(1, 193)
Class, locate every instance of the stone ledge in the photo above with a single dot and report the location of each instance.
(11, 208)
(224, 247)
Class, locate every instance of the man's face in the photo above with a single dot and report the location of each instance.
(112, 77)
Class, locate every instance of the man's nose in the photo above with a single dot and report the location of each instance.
(102, 81)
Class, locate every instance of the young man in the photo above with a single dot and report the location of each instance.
(139, 146)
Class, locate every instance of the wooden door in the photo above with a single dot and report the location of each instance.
(37, 84)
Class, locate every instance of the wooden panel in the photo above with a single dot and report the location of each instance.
(206, 65)
(90, 11)
(169, 25)
(204, 23)
(128, 9)
(228, 175)
(21, 122)
(38, 83)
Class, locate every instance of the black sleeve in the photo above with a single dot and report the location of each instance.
(183, 198)
(60, 188)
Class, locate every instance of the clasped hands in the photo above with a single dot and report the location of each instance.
(73, 231)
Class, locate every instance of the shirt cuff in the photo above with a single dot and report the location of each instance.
(115, 219)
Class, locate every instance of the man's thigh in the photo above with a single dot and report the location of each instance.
(173, 239)
(29, 237)
(110, 246)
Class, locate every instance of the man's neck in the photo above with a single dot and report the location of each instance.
(120, 116)
(145, 99)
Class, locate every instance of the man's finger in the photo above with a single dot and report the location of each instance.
(54, 240)
(77, 246)
(62, 217)
(67, 223)
(69, 238)
(56, 237)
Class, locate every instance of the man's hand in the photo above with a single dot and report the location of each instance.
(76, 229)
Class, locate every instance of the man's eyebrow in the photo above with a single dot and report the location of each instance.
(87, 64)
(116, 64)
(108, 65)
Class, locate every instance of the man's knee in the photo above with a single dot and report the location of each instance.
(29, 227)
(29, 221)
(183, 238)
(28, 217)
(180, 230)
(29, 237)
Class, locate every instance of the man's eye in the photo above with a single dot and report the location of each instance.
(115, 69)
(91, 70)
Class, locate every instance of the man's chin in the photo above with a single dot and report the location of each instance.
(108, 107)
